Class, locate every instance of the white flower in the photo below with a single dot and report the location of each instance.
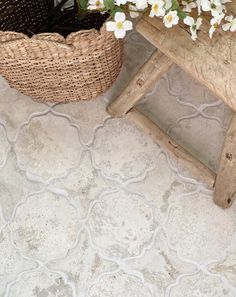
(189, 5)
(120, 2)
(199, 5)
(157, 8)
(214, 6)
(215, 24)
(95, 4)
(194, 26)
(132, 11)
(120, 25)
(171, 18)
(168, 4)
(231, 25)
(141, 4)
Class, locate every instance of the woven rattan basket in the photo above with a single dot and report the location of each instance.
(50, 68)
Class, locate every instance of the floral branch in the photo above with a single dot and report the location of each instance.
(170, 11)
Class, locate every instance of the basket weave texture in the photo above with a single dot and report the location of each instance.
(51, 68)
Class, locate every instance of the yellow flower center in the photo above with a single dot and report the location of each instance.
(155, 7)
(119, 25)
(98, 3)
(169, 18)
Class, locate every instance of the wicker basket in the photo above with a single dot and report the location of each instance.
(51, 68)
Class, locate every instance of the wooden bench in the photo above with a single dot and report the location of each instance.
(213, 63)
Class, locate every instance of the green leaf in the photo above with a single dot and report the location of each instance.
(175, 5)
(116, 9)
(83, 4)
(109, 5)
(181, 14)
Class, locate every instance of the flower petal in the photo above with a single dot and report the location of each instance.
(111, 26)
(119, 17)
(226, 27)
(189, 21)
(198, 23)
(211, 31)
(229, 18)
(233, 26)
(120, 33)
(206, 5)
(168, 4)
(128, 25)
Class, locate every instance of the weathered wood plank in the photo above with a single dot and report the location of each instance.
(201, 171)
(225, 187)
(151, 71)
(211, 61)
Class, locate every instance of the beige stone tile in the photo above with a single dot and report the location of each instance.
(41, 283)
(45, 227)
(119, 285)
(227, 266)
(187, 88)
(87, 115)
(162, 107)
(15, 109)
(125, 225)
(207, 146)
(161, 186)
(82, 264)
(123, 151)
(160, 266)
(83, 184)
(14, 186)
(201, 285)
(184, 109)
(48, 146)
(198, 229)
(4, 146)
(121, 224)
(11, 262)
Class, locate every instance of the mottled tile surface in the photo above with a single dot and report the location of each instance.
(90, 206)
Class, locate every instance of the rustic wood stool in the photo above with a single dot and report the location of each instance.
(212, 63)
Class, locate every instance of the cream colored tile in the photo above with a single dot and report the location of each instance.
(124, 223)
(41, 283)
(48, 146)
(83, 265)
(123, 151)
(207, 146)
(198, 229)
(83, 184)
(4, 146)
(15, 109)
(87, 115)
(201, 285)
(161, 186)
(160, 266)
(121, 224)
(11, 262)
(119, 285)
(227, 266)
(45, 227)
(14, 186)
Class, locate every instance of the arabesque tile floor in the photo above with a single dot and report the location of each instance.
(91, 207)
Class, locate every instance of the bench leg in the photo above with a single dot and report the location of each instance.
(225, 187)
(151, 71)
